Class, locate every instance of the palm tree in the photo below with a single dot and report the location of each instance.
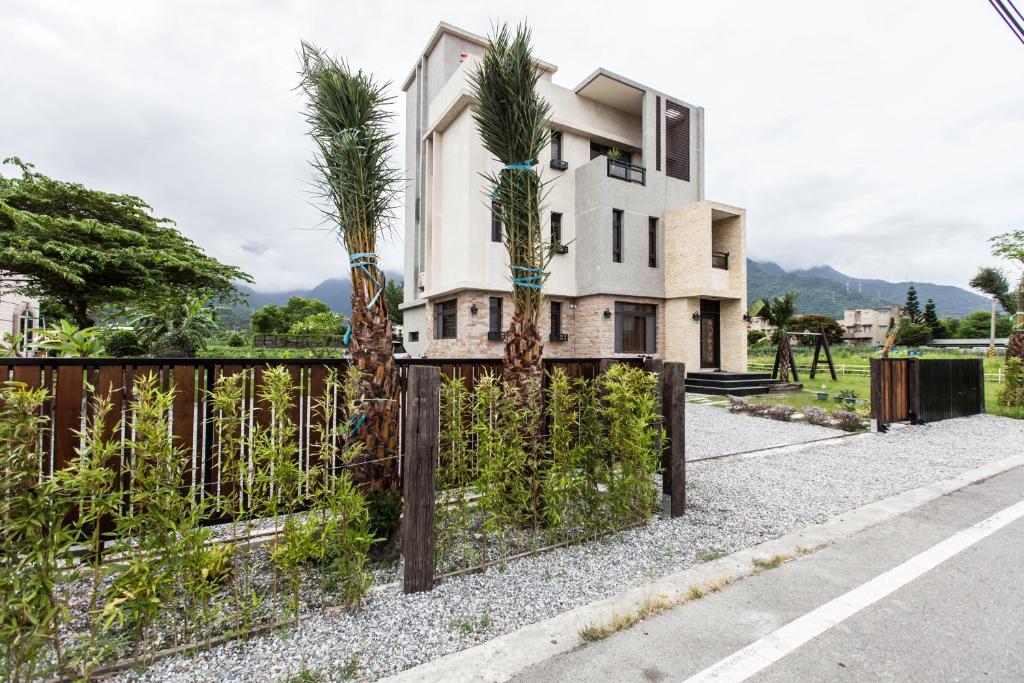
(993, 282)
(778, 311)
(180, 326)
(349, 119)
(512, 119)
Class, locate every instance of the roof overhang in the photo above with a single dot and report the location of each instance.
(613, 90)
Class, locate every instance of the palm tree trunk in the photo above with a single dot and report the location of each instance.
(523, 354)
(372, 352)
(1015, 345)
(784, 359)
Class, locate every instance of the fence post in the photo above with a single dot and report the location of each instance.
(673, 406)
(875, 373)
(420, 438)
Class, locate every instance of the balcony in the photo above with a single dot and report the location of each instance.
(623, 170)
(720, 260)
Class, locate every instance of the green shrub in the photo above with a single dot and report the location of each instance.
(123, 344)
(236, 340)
(1012, 393)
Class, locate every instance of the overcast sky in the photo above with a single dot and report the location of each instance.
(883, 138)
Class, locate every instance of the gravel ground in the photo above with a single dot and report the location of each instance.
(733, 503)
(712, 430)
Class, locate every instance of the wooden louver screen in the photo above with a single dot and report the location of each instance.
(677, 141)
(657, 133)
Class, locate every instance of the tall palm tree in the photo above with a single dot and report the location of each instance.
(512, 119)
(349, 122)
(778, 311)
(993, 282)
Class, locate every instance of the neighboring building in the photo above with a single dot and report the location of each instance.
(648, 266)
(19, 315)
(868, 325)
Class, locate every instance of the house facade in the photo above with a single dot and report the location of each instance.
(19, 315)
(868, 325)
(645, 264)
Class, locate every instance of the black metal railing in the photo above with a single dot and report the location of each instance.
(720, 259)
(558, 337)
(497, 336)
(623, 170)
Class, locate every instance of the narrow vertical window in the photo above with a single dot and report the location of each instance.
(556, 228)
(617, 235)
(495, 221)
(446, 319)
(652, 242)
(556, 321)
(556, 145)
(494, 323)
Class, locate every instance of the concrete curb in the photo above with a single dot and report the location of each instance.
(503, 657)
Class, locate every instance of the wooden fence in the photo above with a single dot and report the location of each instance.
(925, 390)
(297, 341)
(72, 383)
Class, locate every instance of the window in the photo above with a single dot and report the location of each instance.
(556, 321)
(494, 332)
(617, 235)
(414, 336)
(635, 328)
(445, 320)
(677, 141)
(556, 228)
(652, 242)
(556, 145)
(495, 221)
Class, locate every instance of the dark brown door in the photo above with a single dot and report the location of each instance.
(710, 334)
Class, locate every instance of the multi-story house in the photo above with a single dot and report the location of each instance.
(644, 263)
(19, 315)
(868, 325)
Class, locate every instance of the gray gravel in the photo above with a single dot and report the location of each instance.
(713, 430)
(734, 503)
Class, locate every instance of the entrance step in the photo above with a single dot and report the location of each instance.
(729, 383)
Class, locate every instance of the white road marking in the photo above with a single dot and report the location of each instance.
(762, 653)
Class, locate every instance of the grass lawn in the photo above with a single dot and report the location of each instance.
(856, 360)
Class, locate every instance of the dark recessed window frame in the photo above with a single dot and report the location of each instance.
(556, 228)
(494, 331)
(414, 336)
(495, 221)
(556, 321)
(636, 328)
(556, 145)
(446, 319)
(652, 242)
(617, 218)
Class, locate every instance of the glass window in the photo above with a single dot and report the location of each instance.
(494, 324)
(635, 327)
(445, 320)
(495, 221)
(556, 145)
(556, 228)
(556, 319)
(617, 235)
(652, 242)
(414, 336)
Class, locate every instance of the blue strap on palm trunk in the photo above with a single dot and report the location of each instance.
(516, 166)
(363, 261)
(532, 281)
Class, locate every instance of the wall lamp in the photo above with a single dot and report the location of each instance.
(473, 309)
(696, 316)
(607, 313)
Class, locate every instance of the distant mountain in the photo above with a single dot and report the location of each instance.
(825, 290)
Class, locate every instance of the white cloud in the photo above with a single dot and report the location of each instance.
(882, 139)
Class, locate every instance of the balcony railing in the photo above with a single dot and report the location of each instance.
(720, 259)
(623, 170)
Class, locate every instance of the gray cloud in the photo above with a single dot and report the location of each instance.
(883, 139)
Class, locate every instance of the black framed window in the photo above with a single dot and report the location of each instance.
(414, 336)
(556, 145)
(635, 327)
(446, 319)
(556, 228)
(652, 242)
(617, 235)
(495, 221)
(556, 319)
(494, 321)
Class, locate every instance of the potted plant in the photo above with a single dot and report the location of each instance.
(848, 396)
(822, 395)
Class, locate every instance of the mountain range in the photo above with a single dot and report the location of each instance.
(825, 290)
(821, 289)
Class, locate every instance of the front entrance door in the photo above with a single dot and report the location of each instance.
(710, 334)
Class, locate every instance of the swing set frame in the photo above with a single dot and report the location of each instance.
(820, 343)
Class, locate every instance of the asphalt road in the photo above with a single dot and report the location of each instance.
(936, 594)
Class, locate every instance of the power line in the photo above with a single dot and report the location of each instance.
(1008, 18)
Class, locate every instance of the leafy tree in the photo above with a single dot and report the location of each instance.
(512, 119)
(910, 333)
(912, 309)
(349, 116)
(394, 295)
(755, 337)
(325, 323)
(84, 248)
(178, 326)
(1010, 246)
(977, 325)
(778, 311)
(123, 344)
(811, 322)
(275, 319)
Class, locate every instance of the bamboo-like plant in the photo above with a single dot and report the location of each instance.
(349, 119)
(512, 120)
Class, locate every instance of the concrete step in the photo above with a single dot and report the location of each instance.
(728, 382)
(743, 390)
(729, 375)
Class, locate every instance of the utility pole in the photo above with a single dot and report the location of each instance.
(992, 332)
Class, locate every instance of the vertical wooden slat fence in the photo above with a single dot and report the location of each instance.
(926, 389)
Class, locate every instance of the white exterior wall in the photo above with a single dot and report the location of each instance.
(12, 306)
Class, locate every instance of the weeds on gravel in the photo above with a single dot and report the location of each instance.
(709, 555)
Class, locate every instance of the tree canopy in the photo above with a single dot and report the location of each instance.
(275, 319)
(912, 309)
(82, 248)
(812, 322)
